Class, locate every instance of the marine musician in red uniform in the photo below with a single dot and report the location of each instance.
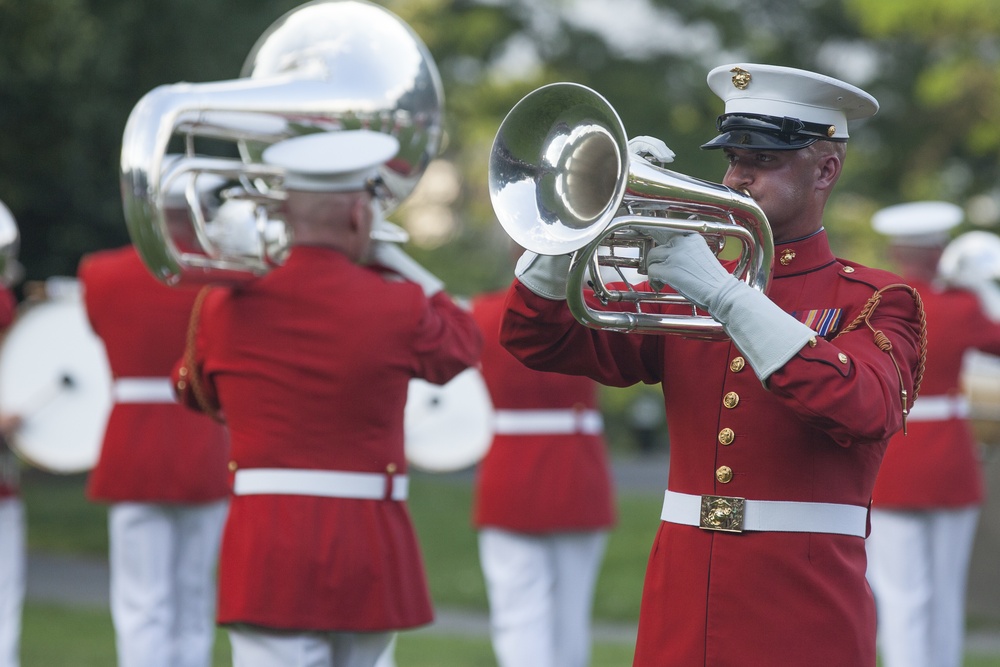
(543, 505)
(161, 469)
(309, 367)
(12, 527)
(777, 430)
(929, 490)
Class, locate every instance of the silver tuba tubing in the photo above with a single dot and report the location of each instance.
(145, 180)
(563, 181)
(327, 65)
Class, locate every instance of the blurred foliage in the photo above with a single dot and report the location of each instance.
(71, 70)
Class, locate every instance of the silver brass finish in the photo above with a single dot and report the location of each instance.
(563, 181)
(327, 65)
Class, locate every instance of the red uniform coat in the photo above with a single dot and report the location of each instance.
(152, 452)
(538, 483)
(8, 462)
(310, 365)
(817, 434)
(936, 464)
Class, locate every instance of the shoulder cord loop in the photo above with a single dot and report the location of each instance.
(884, 344)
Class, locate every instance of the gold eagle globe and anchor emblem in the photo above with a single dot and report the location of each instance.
(741, 78)
(722, 513)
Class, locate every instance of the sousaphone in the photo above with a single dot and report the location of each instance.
(328, 65)
(325, 66)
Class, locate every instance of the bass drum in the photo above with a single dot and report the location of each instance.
(54, 373)
(448, 427)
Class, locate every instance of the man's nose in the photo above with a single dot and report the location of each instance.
(737, 177)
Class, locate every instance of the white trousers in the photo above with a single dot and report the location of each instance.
(255, 647)
(918, 564)
(388, 657)
(12, 579)
(541, 592)
(163, 559)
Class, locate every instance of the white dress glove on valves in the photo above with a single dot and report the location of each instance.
(392, 257)
(650, 147)
(545, 275)
(765, 334)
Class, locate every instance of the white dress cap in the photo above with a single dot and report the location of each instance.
(770, 90)
(340, 161)
(918, 223)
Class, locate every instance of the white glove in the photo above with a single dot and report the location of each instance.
(545, 275)
(650, 147)
(980, 280)
(766, 335)
(392, 257)
(989, 298)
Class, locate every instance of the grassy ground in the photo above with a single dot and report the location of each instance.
(85, 639)
(60, 520)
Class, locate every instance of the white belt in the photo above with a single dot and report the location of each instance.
(547, 422)
(738, 514)
(143, 390)
(938, 408)
(324, 483)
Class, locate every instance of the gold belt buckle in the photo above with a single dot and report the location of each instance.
(722, 513)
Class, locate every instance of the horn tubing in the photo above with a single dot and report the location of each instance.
(144, 144)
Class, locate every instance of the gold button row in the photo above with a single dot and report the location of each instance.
(727, 435)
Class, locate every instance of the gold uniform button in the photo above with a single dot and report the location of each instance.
(182, 371)
(842, 357)
(812, 341)
(726, 436)
(731, 400)
(181, 384)
(724, 474)
(737, 364)
(391, 468)
(233, 466)
(848, 269)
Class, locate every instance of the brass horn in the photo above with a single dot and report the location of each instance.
(563, 181)
(327, 65)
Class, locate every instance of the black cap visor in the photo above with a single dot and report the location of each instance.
(768, 133)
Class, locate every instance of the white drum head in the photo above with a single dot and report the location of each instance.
(54, 373)
(448, 427)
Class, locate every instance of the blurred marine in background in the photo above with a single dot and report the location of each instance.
(543, 505)
(12, 527)
(309, 366)
(161, 470)
(929, 490)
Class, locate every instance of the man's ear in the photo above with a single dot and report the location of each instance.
(828, 169)
(360, 214)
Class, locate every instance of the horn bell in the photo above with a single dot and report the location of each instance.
(557, 168)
